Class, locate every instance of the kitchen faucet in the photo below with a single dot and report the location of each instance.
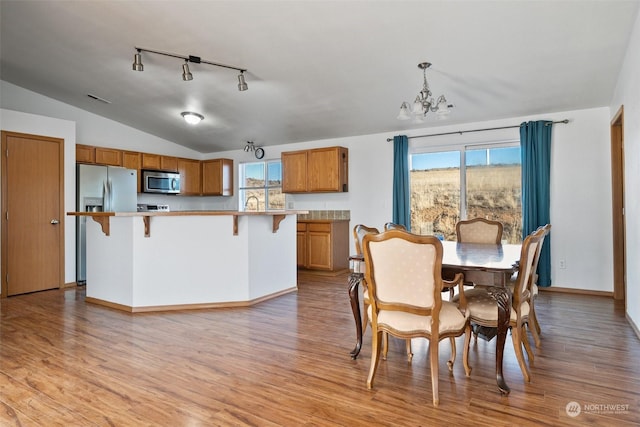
(247, 203)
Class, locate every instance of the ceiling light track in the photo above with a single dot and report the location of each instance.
(186, 73)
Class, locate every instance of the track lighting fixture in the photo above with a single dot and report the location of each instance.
(242, 85)
(186, 73)
(257, 151)
(137, 62)
(191, 117)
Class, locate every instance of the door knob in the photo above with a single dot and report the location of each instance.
(55, 221)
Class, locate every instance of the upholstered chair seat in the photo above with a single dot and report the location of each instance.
(483, 306)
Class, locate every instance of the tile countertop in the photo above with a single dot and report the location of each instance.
(326, 215)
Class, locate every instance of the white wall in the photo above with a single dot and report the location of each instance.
(627, 94)
(580, 178)
(580, 187)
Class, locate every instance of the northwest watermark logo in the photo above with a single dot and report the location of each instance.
(573, 409)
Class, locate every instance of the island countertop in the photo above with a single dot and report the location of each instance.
(190, 212)
(102, 218)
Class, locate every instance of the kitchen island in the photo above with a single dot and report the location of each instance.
(156, 261)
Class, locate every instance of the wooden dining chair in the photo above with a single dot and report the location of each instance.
(394, 226)
(483, 308)
(359, 231)
(479, 230)
(404, 275)
(533, 326)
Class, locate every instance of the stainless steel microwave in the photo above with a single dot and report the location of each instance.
(160, 182)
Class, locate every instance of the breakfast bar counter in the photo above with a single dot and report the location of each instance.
(156, 261)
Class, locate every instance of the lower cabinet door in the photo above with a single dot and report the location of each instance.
(301, 249)
(319, 251)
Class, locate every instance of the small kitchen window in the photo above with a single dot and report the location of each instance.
(261, 186)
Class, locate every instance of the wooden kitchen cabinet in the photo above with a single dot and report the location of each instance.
(301, 244)
(323, 245)
(190, 177)
(85, 154)
(108, 156)
(294, 171)
(217, 177)
(320, 170)
(169, 164)
(158, 162)
(133, 160)
(212, 177)
(150, 161)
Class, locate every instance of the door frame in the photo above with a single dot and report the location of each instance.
(4, 208)
(618, 193)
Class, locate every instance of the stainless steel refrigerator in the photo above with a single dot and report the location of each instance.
(101, 189)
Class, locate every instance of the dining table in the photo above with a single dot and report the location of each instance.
(489, 265)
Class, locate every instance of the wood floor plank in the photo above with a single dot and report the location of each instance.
(286, 362)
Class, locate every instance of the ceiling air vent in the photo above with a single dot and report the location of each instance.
(97, 98)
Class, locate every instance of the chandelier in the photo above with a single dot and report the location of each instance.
(424, 102)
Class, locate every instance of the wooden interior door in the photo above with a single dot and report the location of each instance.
(617, 188)
(32, 213)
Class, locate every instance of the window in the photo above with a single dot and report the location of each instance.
(258, 193)
(474, 181)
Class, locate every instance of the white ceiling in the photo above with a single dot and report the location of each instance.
(316, 69)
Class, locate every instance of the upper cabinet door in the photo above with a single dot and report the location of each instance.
(85, 154)
(108, 156)
(327, 169)
(217, 177)
(190, 181)
(294, 171)
(168, 163)
(320, 170)
(150, 161)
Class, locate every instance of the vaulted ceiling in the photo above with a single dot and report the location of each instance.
(316, 69)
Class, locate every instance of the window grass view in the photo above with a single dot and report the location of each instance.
(490, 182)
(256, 193)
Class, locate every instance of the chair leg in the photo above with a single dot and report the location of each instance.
(385, 345)
(534, 327)
(365, 318)
(516, 334)
(465, 351)
(376, 336)
(409, 352)
(525, 342)
(433, 356)
(452, 360)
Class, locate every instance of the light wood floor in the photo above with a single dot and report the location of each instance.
(285, 362)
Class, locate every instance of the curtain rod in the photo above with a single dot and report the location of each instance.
(565, 121)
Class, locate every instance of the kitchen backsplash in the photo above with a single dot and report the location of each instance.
(326, 214)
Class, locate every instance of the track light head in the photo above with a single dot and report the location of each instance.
(137, 62)
(186, 74)
(242, 85)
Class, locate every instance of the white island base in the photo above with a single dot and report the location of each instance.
(190, 261)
